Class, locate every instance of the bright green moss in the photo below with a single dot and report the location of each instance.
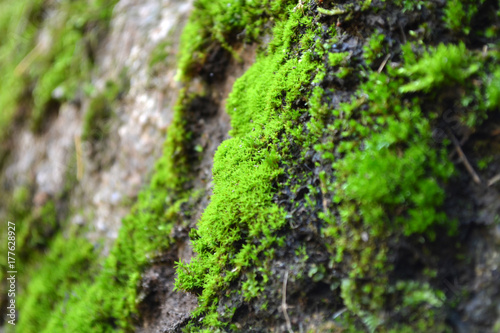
(459, 13)
(30, 70)
(387, 176)
(68, 63)
(493, 90)
(70, 262)
(220, 23)
(241, 210)
(108, 301)
(440, 67)
(374, 48)
(383, 175)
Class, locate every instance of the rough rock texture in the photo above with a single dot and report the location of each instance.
(44, 159)
(144, 114)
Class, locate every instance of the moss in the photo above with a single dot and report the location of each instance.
(365, 176)
(241, 221)
(375, 48)
(68, 62)
(385, 180)
(221, 23)
(459, 13)
(35, 227)
(33, 70)
(99, 113)
(19, 22)
(160, 54)
(375, 179)
(106, 299)
(442, 66)
(70, 262)
(410, 5)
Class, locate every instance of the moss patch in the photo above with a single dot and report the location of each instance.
(333, 130)
(40, 55)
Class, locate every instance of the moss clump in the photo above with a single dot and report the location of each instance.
(96, 122)
(379, 181)
(19, 22)
(70, 262)
(241, 222)
(442, 66)
(68, 63)
(35, 227)
(215, 24)
(33, 66)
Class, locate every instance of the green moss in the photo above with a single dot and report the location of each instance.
(391, 169)
(439, 68)
(379, 180)
(18, 24)
(375, 48)
(32, 71)
(459, 13)
(96, 122)
(69, 263)
(161, 53)
(386, 178)
(493, 90)
(410, 5)
(220, 23)
(35, 227)
(68, 62)
(105, 300)
(241, 210)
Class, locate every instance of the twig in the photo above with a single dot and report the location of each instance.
(464, 139)
(485, 50)
(284, 306)
(331, 12)
(466, 163)
(28, 60)
(494, 180)
(339, 313)
(79, 158)
(402, 33)
(382, 65)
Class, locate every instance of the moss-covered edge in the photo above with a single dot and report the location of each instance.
(113, 291)
(387, 171)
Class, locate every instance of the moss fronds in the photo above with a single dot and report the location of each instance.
(216, 24)
(381, 175)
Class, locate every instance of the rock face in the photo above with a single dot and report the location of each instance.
(251, 166)
(144, 111)
(112, 178)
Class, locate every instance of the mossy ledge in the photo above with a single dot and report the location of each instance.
(337, 164)
(332, 207)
